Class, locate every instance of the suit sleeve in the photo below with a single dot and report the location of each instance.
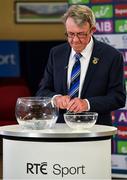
(46, 85)
(116, 94)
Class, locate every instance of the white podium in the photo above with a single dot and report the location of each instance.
(58, 153)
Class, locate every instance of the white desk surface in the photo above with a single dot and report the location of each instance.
(59, 131)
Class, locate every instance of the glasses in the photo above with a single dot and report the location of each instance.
(80, 35)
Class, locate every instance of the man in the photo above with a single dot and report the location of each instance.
(101, 88)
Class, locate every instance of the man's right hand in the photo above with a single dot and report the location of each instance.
(62, 101)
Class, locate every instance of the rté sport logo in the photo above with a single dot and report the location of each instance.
(56, 169)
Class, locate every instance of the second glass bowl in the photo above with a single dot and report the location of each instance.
(84, 120)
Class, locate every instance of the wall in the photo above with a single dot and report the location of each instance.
(10, 30)
(35, 41)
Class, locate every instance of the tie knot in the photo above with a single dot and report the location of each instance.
(78, 55)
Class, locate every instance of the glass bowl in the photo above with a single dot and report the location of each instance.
(84, 120)
(36, 112)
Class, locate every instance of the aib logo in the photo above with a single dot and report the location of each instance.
(121, 117)
(37, 168)
(105, 26)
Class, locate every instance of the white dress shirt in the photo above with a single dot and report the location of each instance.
(84, 60)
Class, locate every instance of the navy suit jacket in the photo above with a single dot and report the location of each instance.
(103, 85)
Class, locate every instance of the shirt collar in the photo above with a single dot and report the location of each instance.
(86, 51)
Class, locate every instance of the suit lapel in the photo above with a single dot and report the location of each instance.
(94, 61)
(65, 59)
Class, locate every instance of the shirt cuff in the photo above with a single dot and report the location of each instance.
(88, 104)
(52, 100)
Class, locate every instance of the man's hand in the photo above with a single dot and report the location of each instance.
(62, 101)
(77, 105)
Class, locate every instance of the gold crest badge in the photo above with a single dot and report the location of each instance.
(95, 60)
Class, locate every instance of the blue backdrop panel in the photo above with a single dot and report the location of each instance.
(9, 59)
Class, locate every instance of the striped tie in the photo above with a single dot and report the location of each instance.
(75, 77)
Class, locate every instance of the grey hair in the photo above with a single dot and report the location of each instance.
(80, 14)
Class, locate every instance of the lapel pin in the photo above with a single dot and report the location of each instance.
(95, 60)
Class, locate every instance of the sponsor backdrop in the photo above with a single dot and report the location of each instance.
(9, 59)
(112, 29)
